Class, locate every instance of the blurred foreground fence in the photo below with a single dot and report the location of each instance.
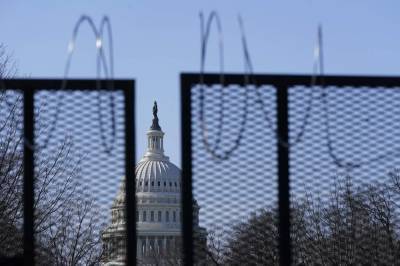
(292, 170)
(65, 146)
(285, 169)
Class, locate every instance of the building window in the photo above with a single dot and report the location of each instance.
(146, 184)
(165, 184)
(159, 183)
(176, 184)
(151, 216)
(140, 183)
(144, 216)
(170, 184)
(137, 216)
(159, 216)
(167, 216)
(174, 216)
(152, 183)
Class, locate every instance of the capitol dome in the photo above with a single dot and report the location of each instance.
(157, 175)
(158, 208)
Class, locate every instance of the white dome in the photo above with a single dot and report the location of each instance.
(158, 206)
(157, 176)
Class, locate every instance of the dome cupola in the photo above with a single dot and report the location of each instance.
(155, 139)
(154, 172)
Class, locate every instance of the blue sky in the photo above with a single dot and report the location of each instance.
(157, 40)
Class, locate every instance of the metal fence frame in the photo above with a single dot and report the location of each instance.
(29, 87)
(282, 83)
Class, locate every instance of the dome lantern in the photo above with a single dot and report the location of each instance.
(155, 138)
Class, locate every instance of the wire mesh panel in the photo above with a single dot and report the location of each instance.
(234, 174)
(344, 175)
(78, 182)
(11, 175)
(78, 175)
(335, 144)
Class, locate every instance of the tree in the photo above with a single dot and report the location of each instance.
(354, 225)
(254, 241)
(213, 251)
(64, 218)
(7, 64)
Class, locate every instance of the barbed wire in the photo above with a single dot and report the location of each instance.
(299, 136)
(337, 160)
(317, 80)
(105, 22)
(248, 79)
(213, 148)
(101, 64)
(318, 73)
(204, 35)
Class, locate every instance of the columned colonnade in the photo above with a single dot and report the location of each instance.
(150, 245)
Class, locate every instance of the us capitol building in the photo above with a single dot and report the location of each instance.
(158, 209)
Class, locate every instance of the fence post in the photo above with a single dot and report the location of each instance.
(130, 184)
(187, 197)
(283, 175)
(28, 185)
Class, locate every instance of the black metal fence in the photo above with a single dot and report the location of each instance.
(291, 170)
(66, 145)
(285, 169)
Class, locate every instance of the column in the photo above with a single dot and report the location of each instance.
(147, 246)
(156, 247)
(139, 247)
(165, 245)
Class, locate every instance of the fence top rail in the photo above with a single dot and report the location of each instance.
(71, 84)
(280, 80)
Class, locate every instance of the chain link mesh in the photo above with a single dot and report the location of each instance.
(11, 174)
(79, 219)
(343, 171)
(231, 191)
(344, 176)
